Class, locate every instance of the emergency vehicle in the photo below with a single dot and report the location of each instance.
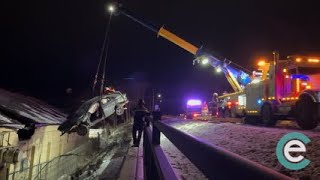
(197, 110)
(193, 109)
(281, 89)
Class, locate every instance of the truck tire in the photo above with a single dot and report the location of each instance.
(233, 113)
(306, 113)
(252, 120)
(227, 113)
(267, 115)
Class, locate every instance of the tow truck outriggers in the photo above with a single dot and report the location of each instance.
(282, 88)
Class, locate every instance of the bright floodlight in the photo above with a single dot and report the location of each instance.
(194, 102)
(255, 81)
(261, 63)
(205, 61)
(159, 95)
(218, 69)
(111, 8)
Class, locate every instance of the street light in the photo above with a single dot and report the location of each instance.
(218, 69)
(111, 8)
(205, 61)
(159, 95)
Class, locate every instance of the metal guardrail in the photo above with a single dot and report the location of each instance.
(213, 161)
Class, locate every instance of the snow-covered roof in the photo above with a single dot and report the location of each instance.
(18, 105)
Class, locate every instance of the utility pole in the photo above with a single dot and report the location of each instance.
(152, 99)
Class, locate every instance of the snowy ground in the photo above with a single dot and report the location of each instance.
(107, 160)
(15, 105)
(252, 142)
(183, 168)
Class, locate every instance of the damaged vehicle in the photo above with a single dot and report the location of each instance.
(94, 111)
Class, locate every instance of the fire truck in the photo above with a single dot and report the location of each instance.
(279, 89)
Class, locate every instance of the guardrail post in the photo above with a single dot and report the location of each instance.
(155, 130)
(145, 149)
(147, 153)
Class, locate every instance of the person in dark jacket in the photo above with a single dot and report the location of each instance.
(140, 119)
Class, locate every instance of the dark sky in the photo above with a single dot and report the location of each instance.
(48, 46)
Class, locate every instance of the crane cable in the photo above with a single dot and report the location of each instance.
(105, 56)
(104, 53)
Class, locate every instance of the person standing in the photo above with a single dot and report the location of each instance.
(204, 109)
(215, 103)
(139, 121)
(223, 105)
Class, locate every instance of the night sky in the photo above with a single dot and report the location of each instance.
(48, 46)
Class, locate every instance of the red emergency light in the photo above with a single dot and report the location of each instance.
(196, 115)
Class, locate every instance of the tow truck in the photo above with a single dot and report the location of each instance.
(280, 89)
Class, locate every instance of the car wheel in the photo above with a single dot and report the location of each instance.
(82, 130)
(119, 111)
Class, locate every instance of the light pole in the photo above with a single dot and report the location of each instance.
(152, 99)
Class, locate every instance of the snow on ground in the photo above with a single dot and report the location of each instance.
(113, 145)
(182, 166)
(28, 107)
(252, 142)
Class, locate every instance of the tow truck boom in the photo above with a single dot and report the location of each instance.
(237, 78)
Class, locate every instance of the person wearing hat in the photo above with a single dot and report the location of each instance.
(140, 119)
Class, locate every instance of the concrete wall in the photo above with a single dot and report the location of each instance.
(47, 155)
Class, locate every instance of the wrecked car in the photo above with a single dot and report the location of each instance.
(94, 111)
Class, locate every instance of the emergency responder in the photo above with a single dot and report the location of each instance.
(223, 106)
(204, 109)
(215, 102)
(140, 119)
